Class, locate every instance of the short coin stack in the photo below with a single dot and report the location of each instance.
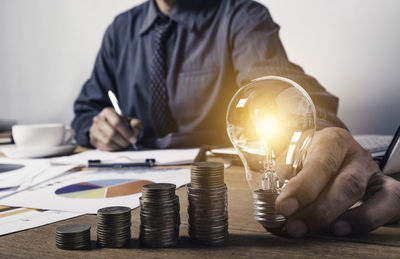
(73, 237)
(159, 215)
(114, 226)
(208, 213)
(265, 212)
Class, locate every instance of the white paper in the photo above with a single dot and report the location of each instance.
(162, 157)
(30, 169)
(18, 219)
(51, 194)
(227, 151)
(34, 172)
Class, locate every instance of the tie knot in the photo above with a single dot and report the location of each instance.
(163, 26)
(163, 21)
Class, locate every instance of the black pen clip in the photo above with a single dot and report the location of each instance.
(149, 162)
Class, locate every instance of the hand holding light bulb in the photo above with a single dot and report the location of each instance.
(271, 122)
(337, 174)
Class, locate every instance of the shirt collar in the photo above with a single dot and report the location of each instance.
(183, 12)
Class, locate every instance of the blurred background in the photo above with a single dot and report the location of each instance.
(48, 48)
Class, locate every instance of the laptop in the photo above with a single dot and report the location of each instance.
(390, 163)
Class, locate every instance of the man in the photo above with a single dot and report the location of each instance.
(174, 67)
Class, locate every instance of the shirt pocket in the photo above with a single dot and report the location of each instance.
(195, 96)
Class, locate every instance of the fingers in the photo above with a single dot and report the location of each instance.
(101, 141)
(112, 133)
(337, 174)
(136, 127)
(325, 157)
(341, 193)
(109, 132)
(117, 124)
(381, 208)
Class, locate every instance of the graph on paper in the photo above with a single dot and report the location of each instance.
(108, 188)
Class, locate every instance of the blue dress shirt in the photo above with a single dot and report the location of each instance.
(216, 47)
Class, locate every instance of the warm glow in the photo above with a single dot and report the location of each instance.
(290, 153)
(295, 137)
(267, 128)
(305, 142)
(242, 102)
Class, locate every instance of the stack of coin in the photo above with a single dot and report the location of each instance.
(114, 226)
(207, 175)
(159, 215)
(208, 206)
(73, 236)
(265, 212)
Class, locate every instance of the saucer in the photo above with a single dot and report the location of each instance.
(36, 152)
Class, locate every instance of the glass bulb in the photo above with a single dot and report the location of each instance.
(270, 122)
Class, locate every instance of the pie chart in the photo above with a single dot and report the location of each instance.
(100, 189)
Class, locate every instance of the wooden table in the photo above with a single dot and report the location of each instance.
(247, 238)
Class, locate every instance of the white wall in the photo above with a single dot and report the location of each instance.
(47, 50)
(353, 48)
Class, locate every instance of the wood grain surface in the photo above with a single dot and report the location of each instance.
(247, 238)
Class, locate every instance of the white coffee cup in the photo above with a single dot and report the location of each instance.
(42, 135)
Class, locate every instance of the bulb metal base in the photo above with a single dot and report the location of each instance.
(265, 213)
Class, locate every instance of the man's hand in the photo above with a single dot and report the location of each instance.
(337, 174)
(110, 133)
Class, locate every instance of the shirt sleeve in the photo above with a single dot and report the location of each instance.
(257, 51)
(93, 96)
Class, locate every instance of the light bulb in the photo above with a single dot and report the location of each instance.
(270, 122)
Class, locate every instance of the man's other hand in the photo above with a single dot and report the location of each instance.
(110, 133)
(339, 189)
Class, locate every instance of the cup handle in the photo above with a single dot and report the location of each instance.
(69, 135)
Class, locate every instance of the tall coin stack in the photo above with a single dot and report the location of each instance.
(73, 237)
(159, 215)
(114, 226)
(208, 205)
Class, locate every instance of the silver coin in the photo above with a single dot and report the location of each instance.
(73, 236)
(72, 229)
(158, 191)
(114, 210)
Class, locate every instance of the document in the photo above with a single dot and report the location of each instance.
(17, 219)
(89, 190)
(19, 174)
(19, 170)
(162, 157)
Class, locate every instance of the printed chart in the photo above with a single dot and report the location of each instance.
(99, 189)
(87, 191)
(14, 219)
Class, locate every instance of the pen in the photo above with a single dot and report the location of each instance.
(114, 102)
(150, 162)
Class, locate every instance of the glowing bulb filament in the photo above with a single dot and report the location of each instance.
(267, 128)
